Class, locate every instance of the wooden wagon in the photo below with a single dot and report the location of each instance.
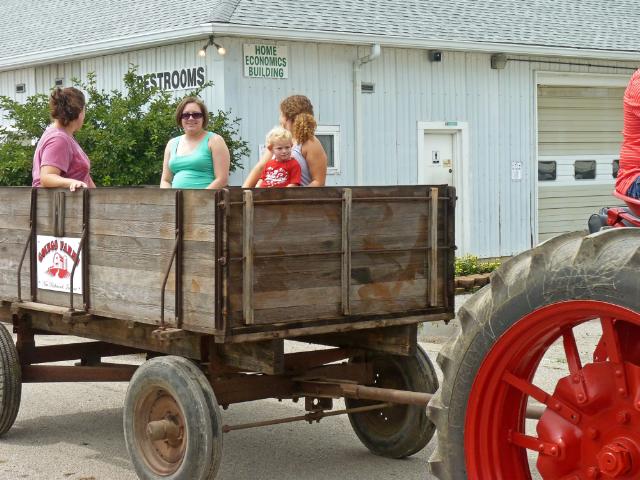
(209, 285)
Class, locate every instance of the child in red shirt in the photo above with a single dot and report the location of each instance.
(282, 170)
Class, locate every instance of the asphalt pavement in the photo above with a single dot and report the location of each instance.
(73, 431)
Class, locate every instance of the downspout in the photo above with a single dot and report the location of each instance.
(357, 111)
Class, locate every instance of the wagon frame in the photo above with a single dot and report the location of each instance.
(341, 280)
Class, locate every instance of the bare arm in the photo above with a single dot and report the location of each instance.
(167, 176)
(51, 177)
(256, 172)
(316, 160)
(221, 161)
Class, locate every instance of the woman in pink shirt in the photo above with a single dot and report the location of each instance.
(59, 161)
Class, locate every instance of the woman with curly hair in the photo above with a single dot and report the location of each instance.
(59, 161)
(296, 115)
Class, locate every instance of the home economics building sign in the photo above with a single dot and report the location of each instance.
(265, 61)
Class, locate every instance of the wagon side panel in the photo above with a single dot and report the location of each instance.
(339, 254)
(15, 204)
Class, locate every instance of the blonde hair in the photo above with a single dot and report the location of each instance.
(299, 110)
(278, 133)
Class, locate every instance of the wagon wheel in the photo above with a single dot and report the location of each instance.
(10, 381)
(402, 430)
(172, 422)
(589, 425)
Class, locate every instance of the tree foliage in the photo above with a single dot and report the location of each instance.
(124, 133)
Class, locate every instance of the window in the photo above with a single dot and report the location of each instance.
(59, 82)
(329, 136)
(366, 87)
(547, 171)
(615, 166)
(21, 88)
(584, 169)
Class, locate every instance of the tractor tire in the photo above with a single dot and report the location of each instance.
(402, 430)
(172, 391)
(10, 381)
(589, 422)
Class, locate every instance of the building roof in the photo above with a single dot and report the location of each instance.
(84, 27)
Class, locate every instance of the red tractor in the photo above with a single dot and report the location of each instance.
(506, 422)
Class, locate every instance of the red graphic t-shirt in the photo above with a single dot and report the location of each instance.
(630, 150)
(280, 174)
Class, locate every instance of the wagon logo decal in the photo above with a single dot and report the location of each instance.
(55, 260)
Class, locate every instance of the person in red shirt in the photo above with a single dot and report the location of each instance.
(282, 170)
(628, 179)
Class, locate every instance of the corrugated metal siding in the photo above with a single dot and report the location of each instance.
(8, 82)
(498, 105)
(47, 75)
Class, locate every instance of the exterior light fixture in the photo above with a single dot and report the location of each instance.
(498, 61)
(203, 51)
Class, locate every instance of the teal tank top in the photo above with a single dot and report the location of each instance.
(194, 170)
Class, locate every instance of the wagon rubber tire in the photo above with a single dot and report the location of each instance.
(10, 381)
(403, 430)
(597, 271)
(174, 389)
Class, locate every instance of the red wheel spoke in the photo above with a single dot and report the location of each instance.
(558, 406)
(533, 443)
(611, 340)
(600, 353)
(526, 387)
(571, 352)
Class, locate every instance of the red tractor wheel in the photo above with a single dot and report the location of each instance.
(590, 422)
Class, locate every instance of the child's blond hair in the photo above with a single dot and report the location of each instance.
(278, 133)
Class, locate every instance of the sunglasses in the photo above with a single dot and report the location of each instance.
(194, 115)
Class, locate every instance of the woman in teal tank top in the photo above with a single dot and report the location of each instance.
(197, 159)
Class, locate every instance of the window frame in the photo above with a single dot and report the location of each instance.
(334, 131)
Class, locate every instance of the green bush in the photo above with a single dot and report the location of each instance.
(124, 133)
(471, 264)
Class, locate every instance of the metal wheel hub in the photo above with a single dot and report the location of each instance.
(590, 428)
(384, 422)
(160, 431)
(606, 440)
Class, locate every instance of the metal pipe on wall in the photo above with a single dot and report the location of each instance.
(357, 110)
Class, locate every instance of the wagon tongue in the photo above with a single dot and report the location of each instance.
(605, 442)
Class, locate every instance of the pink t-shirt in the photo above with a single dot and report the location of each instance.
(58, 149)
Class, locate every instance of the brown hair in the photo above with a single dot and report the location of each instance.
(66, 104)
(186, 101)
(298, 109)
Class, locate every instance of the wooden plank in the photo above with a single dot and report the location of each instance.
(400, 340)
(346, 250)
(333, 328)
(120, 332)
(433, 263)
(263, 357)
(247, 258)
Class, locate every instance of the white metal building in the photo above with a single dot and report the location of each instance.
(518, 104)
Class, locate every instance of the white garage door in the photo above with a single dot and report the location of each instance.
(579, 135)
